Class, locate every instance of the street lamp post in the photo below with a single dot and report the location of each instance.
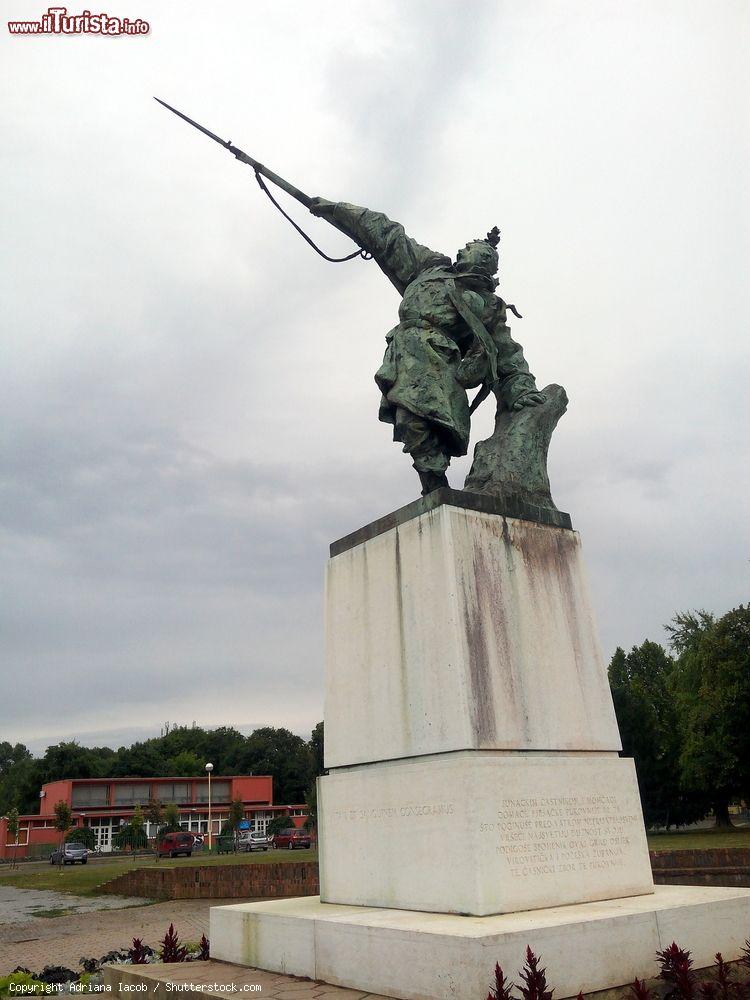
(209, 769)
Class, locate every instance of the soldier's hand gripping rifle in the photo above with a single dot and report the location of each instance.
(262, 171)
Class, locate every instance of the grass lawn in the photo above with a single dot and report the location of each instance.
(701, 839)
(84, 880)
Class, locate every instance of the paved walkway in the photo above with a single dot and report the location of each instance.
(20, 905)
(64, 940)
(216, 979)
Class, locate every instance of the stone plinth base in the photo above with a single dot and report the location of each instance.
(462, 630)
(433, 956)
(482, 832)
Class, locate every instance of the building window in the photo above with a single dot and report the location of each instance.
(175, 791)
(89, 795)
(221, 791)
(132, 795)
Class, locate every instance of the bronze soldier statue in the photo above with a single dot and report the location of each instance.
(451, 336)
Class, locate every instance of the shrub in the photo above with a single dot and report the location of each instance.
(81, 835)
(21, 982)
(675, 970)
(57, 974)
(140, 952)
(130, 836)
(640, 991)
(277, 824)
(171, 949)
(501, 989)
(534, 979)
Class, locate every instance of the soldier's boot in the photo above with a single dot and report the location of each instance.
(432, 481)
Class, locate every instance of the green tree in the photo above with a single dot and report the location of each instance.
(277, 824)
(311, 801)
(127, 838)
(686, 629)
(19, 785)
(132, 835)
(141, 760)
(713, 689)
(171, 819)
(13, 833)
(71, 760)
(316, 750)
(63, 822)
(81, 835)
(154, 816)
(186, 764)
(236, 816)
(137, 823)
(648, 718)
(316, 746)
(284, 756)
(11, 754)
(221, 746)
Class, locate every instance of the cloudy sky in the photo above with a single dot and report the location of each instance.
(187, 413)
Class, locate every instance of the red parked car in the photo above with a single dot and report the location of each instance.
(291, 838)
(173, 844)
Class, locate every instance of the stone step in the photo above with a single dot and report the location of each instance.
(589, 947)
(220, 979)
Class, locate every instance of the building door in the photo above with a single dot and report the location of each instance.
(103, 836)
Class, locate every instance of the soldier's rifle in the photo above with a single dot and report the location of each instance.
(262, 171)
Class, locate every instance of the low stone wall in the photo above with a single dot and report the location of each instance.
(242, 881)
(729, 866)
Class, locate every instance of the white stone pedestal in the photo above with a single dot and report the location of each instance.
(437, 956)
(462, 630)
(482, 832)
(475, 786)
(470, 730)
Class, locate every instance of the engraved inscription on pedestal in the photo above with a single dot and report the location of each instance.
(395, 812)
(460, 833)
(559, 834)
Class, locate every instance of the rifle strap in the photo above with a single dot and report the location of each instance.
(476, 326)
(364, 254)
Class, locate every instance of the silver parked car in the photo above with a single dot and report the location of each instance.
(72, 853)
(250, 841)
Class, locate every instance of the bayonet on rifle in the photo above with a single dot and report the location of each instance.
(244, 158)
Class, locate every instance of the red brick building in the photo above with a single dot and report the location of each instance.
(105, 804)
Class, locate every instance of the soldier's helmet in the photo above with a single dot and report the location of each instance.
(482, 254)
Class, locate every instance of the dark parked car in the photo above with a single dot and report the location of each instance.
(291, 838)
(173, 844)
(71, 854)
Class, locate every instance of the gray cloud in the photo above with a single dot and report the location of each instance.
(188, 413)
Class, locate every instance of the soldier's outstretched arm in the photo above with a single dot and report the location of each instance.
(517, 386)
(399, 256)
